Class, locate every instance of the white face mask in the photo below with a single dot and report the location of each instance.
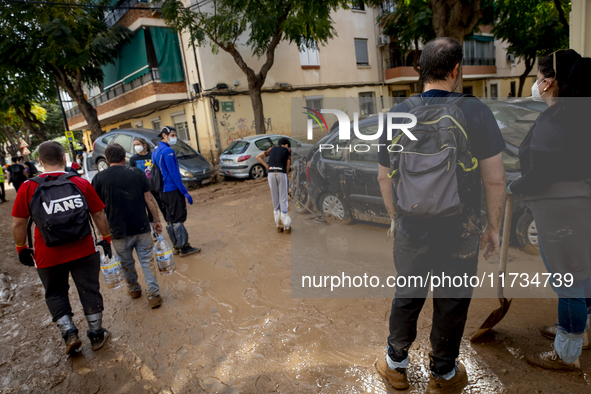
(535, 92)
(138, 148)
(172, 141)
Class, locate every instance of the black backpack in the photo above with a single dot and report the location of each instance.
(59, 210)
(155, 181)
(17, 173)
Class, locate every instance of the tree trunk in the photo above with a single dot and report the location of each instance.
(77, 94)
(529, 64)
(257, 107)
(415, 66)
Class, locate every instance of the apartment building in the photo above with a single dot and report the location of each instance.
(160, 79)
(146, 86)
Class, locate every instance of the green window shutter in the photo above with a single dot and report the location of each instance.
(168, 54)
(131, 64)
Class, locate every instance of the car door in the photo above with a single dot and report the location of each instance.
(365, 191)
(126, 141)
(262, 145)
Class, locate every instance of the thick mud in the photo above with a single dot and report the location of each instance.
(228, 324)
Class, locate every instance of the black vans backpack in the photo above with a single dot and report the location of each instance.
(59, 210)
(434, 176)
(155, 181)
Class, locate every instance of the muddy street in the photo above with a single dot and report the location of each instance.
(228, 324)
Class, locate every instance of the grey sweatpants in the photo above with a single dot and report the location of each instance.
(278, 183)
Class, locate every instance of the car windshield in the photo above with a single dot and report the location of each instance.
(236, 148)
(513, 120)
(181, 149)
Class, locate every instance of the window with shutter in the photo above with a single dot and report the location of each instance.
(309, 56)
(361, 53)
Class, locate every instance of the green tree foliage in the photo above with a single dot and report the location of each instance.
(412, 22)
(240, 26)
(69, 44)
(532, 28)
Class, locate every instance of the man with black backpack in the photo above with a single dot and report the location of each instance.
(165, 178)
(16, 173)
(61, 206)
(432, 191)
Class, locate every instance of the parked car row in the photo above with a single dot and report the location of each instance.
(342, 186)
(194, 168)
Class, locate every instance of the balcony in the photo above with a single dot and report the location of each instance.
(116, 14)
(117, 90)
(399, 71)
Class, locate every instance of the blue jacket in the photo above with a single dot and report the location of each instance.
(166, 160)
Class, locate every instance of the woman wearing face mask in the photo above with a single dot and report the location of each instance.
(143, 160)
(556, 187)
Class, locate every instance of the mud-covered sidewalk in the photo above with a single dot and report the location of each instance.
(228, 324)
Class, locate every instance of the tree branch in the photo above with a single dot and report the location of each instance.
(561, 15)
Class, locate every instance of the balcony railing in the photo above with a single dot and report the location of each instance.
(117, 90)
(116, 14)
(479, 62)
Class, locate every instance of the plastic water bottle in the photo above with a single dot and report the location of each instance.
(164, 256)
(111, 268)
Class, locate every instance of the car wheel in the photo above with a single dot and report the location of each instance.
(257, 171)
(527, 233)
(102, 164)
(334, 210)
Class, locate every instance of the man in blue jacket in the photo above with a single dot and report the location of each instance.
(173, 192)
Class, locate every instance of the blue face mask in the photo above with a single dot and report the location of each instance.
(172, 141)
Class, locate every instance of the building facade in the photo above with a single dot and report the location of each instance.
(161, 80)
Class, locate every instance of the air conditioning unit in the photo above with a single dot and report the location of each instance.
(383, 40)
(511, 58)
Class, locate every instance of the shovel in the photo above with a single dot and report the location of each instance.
(498, 314)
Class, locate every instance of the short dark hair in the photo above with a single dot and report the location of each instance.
(115, 153)
(51, 152)
(14, 159)
(438, 59)
(21, 158)
(284, 141)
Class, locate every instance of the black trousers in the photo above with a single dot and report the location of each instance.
(17, 185)
(175, 206)
(2, 192)
(444, 247)
(160, 205)
(85, 273)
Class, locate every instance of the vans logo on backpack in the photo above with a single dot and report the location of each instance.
(64, 204)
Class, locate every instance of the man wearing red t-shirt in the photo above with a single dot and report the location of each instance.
(54, 264)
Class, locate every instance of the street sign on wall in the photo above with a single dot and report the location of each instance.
(227, 106)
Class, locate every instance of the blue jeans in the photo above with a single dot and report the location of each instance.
(574, 305)
(143, 246)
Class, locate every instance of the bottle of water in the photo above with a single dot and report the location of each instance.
(164, 256)
(111, 268)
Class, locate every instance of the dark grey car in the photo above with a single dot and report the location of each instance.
(194, 168)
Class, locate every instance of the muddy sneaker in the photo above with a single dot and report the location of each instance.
(188, 250)
(73, 343)
(551, 361)
(550, 333)
(134, 293)
(395, 377)
(439, 385)
(98, 338)
(154, 301)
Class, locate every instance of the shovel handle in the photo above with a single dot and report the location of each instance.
(505, 243)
